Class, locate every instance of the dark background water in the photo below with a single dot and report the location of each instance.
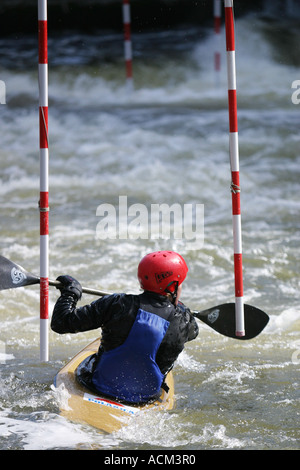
(166, 142)
(89, 16)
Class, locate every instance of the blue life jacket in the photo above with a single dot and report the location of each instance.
(129, 372)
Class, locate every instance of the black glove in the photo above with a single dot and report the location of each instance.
(70, 285)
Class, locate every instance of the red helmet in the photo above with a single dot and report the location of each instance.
(162, 272)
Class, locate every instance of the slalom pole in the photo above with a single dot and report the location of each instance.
(127, 43)
(234, 163)
(44, 191)
(217, 29)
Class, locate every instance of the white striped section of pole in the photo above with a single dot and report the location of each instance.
(44, 191)
(234, 162)
(217, 29)
(127, 44)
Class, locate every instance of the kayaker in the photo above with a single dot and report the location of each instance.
(142, 335)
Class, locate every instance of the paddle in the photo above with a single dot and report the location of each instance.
(12, 275)
(220, 318)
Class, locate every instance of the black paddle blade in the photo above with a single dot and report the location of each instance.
(12, 275)
(222, 319)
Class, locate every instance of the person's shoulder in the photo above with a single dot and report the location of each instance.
(182, 307)
(122, 299)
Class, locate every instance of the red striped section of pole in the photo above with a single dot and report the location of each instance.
(44, 191)
(217, 28)
(127, 43)
(234, 163)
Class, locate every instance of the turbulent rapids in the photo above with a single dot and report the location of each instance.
(167, 142)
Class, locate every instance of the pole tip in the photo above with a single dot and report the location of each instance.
(240, 333)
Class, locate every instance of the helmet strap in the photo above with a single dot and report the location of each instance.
(173, 294)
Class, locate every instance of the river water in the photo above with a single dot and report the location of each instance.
(166, 142)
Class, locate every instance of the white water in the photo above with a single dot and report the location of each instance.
(165, 143)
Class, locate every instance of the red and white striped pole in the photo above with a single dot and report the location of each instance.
(127, 43)
(217, 28)
(44, 192)
(234, 163)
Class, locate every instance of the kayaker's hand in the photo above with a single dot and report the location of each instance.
(70, 285)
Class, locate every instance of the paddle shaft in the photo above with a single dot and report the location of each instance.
(220, 318)
(85, 290)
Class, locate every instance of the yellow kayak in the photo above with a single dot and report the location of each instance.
(102, 413)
